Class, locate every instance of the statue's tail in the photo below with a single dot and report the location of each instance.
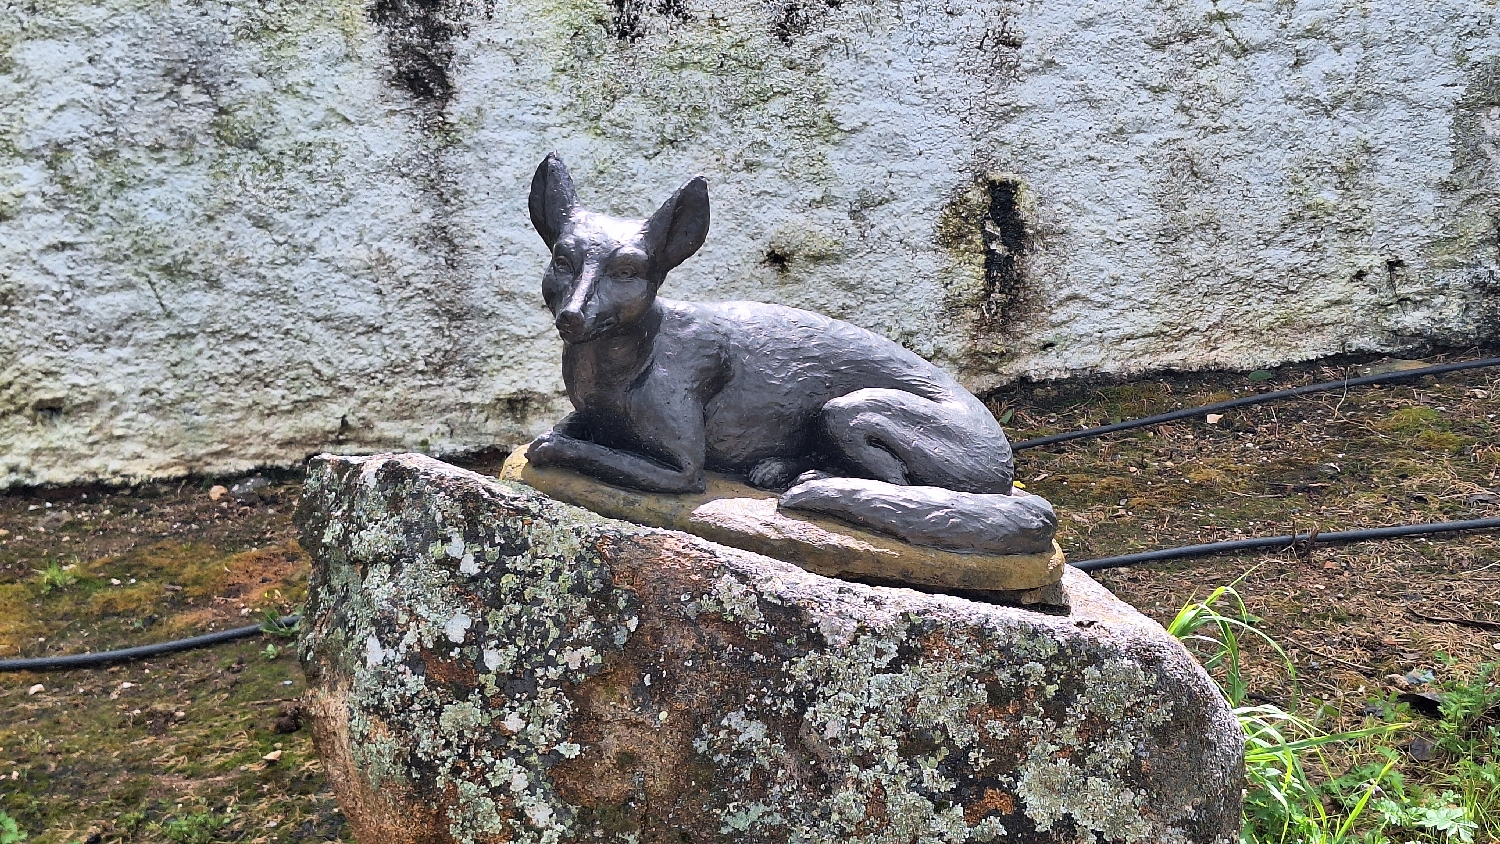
(1018, 523)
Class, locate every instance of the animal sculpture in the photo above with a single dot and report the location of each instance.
(838, 420)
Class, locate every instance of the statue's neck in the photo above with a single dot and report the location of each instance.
(615, 359)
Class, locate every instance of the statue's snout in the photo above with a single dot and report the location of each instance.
(569, 323)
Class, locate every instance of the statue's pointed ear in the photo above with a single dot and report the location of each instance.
(553, 199)
(679, 226)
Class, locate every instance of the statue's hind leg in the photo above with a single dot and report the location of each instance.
(778, 473)
(927, 472)
(902, 438)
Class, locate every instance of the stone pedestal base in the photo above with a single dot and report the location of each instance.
(487, 664)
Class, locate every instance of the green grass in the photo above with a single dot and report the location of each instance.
(197, 828)
(10, 832)
(55, 576)
(1468, 731)
(1305, 785)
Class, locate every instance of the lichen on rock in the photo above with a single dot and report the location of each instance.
(488, 665)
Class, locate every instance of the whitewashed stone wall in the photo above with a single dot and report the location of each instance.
(237, 233)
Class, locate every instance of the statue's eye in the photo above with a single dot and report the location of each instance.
(626, 271)
(562, 264)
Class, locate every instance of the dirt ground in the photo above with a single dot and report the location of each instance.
(207, 746)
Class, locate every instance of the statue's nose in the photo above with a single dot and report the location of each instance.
(569, 321)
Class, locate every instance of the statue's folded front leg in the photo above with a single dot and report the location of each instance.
(615, 466)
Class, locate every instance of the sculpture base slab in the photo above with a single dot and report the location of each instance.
(734, 514)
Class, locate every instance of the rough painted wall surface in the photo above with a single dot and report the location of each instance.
(236, 233)
(486, 664)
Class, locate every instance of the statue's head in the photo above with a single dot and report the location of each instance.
(605, 271)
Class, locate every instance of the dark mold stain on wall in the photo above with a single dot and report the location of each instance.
(797, 17)
(777, 260)
(523, 405)
(1005, 242)
(788, 19)
(419, 39)
(987, 229)
(628, 24)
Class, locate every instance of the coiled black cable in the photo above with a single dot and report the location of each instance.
(1288, 541)
(1259, 398)
(93, 660)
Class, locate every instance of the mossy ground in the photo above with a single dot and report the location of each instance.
(1418, 451)
(178, 755)
(171, 749)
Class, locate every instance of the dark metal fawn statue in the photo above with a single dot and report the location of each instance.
(839, 420)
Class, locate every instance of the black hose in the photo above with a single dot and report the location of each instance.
(62, 663)
(1255, 399)
(56, 663)
(1231, 546)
